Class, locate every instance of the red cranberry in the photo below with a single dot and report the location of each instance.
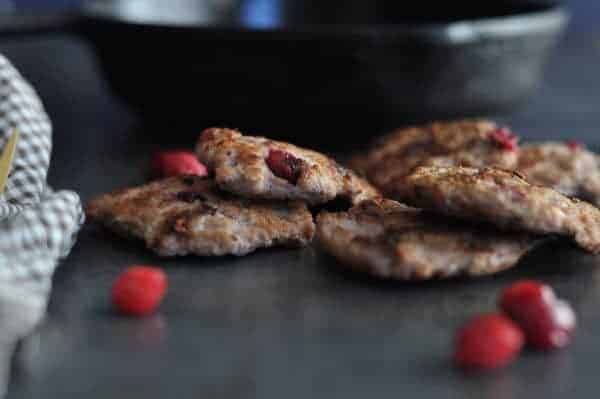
(487, 342)
(284, 165)
(548, 322)
(505, 139)
(177, 162)
(573, 145)
(139, 290)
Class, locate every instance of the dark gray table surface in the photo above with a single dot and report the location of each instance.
(280, 323)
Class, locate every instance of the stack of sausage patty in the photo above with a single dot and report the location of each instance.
(257, 196)
(458, 198)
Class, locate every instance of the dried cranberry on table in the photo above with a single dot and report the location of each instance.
(548, 322)
(284, 165)
(177, 162)
(487, 342)
(139, 290)
(505, 139)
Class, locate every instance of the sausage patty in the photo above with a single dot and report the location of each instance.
(566, 167)
(502, 198)
(189, 215)
(257, 167)
(389, 240)
(475, 143)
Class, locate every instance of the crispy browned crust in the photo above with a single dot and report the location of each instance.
(463, 142)
(239, 166)
(502, 198)
(389, 240)
(570, 170)
(189, 215)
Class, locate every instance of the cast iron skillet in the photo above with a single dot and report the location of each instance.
(329, 73)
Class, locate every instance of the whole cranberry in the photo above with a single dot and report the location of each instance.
(488, 341)
(175, 163)
(548, 322)
(139, 290)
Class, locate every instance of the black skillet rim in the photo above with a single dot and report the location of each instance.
(548, 18)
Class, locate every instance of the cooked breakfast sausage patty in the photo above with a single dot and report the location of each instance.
(502, 198)
(189, 215)
(389, 240)
(475, 143)
(566, 167)
(257, 167)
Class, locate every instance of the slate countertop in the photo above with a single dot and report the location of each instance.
(279, 323)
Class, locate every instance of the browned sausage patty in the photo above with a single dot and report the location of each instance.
(566, 167)
(189, 215)
(257, 167)
(475, 143)
(502, 198)
(389, 240)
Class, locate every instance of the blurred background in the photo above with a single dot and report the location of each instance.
(354, 68)
(586, 13)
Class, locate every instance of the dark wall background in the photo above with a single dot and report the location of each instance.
(586, 14)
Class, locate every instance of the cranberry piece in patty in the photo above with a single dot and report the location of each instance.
(505, 139)
(284, 165)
